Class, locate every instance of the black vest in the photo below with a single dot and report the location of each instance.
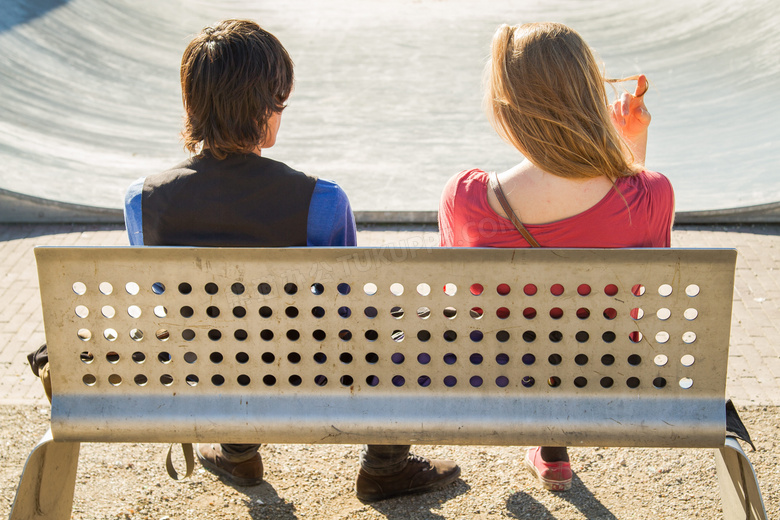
(243, 200)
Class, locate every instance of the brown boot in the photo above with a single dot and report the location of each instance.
(420, 475)
(247, 472)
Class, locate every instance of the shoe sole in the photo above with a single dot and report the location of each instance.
(550, 485)
(213, 468)
(413, 491)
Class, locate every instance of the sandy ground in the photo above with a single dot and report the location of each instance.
(128, 481)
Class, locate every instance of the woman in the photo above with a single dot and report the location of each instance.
(582, 182)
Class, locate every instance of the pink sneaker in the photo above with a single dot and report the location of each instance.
(555, 476)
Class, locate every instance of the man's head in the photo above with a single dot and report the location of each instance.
(234, 77)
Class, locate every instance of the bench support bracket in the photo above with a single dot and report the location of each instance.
(739, 490)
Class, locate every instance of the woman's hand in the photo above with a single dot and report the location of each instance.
(631, 119)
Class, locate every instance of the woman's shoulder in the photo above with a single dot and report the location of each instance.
(467, 181)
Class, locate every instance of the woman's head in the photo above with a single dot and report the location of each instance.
(545, 95)
(234, 77)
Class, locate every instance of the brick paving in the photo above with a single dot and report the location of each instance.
(754, 359)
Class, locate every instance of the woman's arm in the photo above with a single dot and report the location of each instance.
(631, 119)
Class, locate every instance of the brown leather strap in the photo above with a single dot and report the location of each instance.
(496, 185)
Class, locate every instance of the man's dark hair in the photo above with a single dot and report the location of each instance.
(234, 76)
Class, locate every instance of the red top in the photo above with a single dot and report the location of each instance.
(467, 220)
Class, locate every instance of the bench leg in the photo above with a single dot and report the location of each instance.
(739, 490)
(48, 480)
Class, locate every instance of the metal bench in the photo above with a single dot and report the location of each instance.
(360, 345)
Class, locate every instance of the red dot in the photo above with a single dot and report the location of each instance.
(503, 289)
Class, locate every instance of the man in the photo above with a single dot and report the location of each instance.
(235, 80)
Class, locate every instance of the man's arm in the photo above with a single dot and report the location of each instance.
(331, 222)
(133, 213)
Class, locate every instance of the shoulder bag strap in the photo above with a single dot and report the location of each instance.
(496, 186)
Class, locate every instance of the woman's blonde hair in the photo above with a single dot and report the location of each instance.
(545, 95)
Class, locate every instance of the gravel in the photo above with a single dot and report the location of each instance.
(128, 481)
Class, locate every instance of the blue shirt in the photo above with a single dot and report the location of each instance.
(330, 222)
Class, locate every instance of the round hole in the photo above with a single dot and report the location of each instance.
(343, 289)
(450, 336)
(450, 289)
(211, 288)
(372, 380)
(606, 382)
(396, 289)
(607, 360)
(192, 380)
(583, 289)
(556, 289)
(450, 358)
(166, 379)
(295, 380)
(185, 288)
(140, 380)
(212, 312)
(370, 289)
(293, 335)
(108, 311)
(638, 290)
(502, 336)
(268, 357)
(529, 313)
(265, 311)
(243, 380)
(450, 313)
(190, 357)
(687, 360)
(160, 311)
(237, 288)
(132, 288)
(294, 358)
(346, 381)
(659, 382)
(397, 313)
(424, 381)
(475, 381)
(239, 312)
(476, 313)
(186, 311)
(264, 288)
(528, 381)
(608, 336)
(661, 360)
(611, 289)
(111, 335)
(635, 337)
(138, 357)
(80, 289)
(106, 288)
(581, 359)
(556, 336)
(423, 289)
(554, 381)
(317, 312)
(580, 382)
(583, 313)
(345, 335)
(665, 290)
(476, 336)
(528, 359)
(582, 336)
(476, 289)
(476, 359)
(686, 383)
(370, 312)
(662, 336)
(450, 381)
(240, 334)
(266, 335)
(217, 380)
(397, 358)
(372, 335)
(692, 290)
(632, 382)
(345, 357)
(423, 335)
(502, 359)
(554, 359)
(269, 380)
(290, 288)
(317, 289)
(530, 289)
(82, 311)
(610, 313)
(663, 313)
(636, 313)
(502, 313)
(502, 381)
(372, 358)
(424, 358)
(634, 360)
(691, 314)
(503, 289)
(89, 379)
(320, 357)
(291, 312)
(689, 337)
(214, 335)
(529, 336)
(398, 380)
(216, 357)
(164, 358)
(556, 313)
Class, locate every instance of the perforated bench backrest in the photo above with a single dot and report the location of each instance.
(452, 346)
